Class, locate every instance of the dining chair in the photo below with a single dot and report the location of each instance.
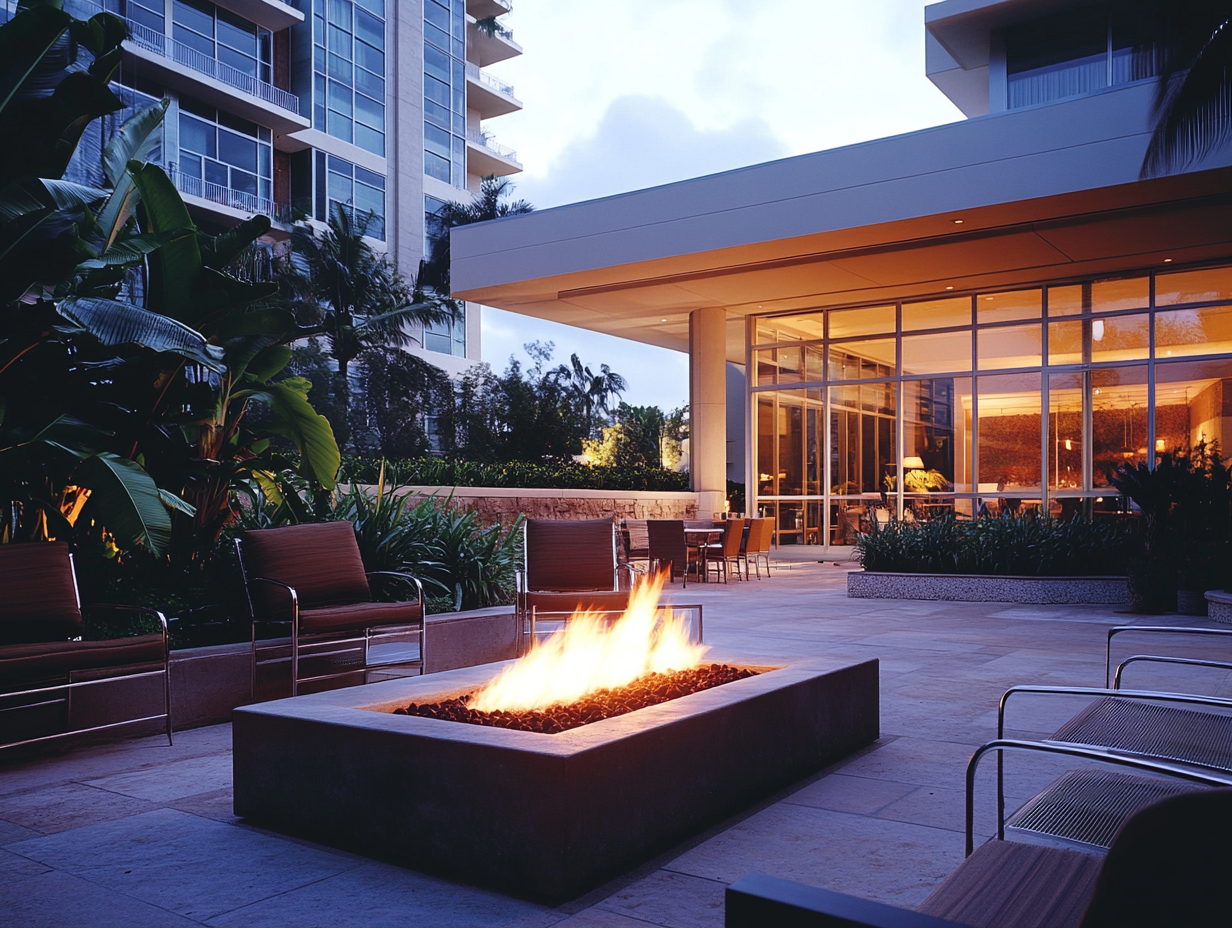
(726, 551)
(668, 548)
(760, 550)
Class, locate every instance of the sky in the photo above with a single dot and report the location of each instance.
(636, 93)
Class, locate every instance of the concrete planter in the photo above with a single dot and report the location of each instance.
(1219, 606)
(971, 588)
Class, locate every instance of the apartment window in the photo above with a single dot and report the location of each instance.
(148, 13)
(224, 150)
(445, 91)
(447, 337)
(221, 35)
(1075, 53)
(354, 188)
(349, 71)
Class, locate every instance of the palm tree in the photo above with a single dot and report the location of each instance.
(489, 203)
(592, 392)
(1192, 111)
(353, 297)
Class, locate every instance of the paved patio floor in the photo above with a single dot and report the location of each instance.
(136, 833)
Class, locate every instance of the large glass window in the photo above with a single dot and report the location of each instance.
(447, 337)
(984, 402)
(221, 152)
(354, 188)
(445, 91)
(1075, 53)
(349, 66)
(221, 35)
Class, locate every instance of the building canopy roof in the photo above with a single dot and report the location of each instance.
(1039, 193)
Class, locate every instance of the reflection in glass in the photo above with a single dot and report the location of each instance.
(1013, 346)
(936, 431)
(814, 362)
(1192, 404)
(1120, 293)
(862, 439)
(870, 320)
(1005, 307)
(936, 354)
(1009, 429)
(937, 314)
(1184, 332)
(862, 360)
(1067, 300)
(1064, 445)
(1118, 420)
(804, 327)
(1205, 286)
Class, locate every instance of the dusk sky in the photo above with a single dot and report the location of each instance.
(637, 93)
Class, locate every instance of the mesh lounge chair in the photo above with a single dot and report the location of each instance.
(312, 577)
(569, 565)
(45, 650)
(1168, 865)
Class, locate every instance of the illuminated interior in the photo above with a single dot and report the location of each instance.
(981, 402)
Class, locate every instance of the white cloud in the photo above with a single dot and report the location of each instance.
(641, 142)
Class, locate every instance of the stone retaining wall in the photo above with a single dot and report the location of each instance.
(969, 588)
(1219, 606)
(503, 504)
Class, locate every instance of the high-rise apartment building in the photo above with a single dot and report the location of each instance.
(288, 107)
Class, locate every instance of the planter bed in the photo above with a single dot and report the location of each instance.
(1219, 606)
(973, 588)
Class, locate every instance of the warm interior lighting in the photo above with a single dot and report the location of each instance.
(1159, 445)
(1069, 445)
(957, 222)
(663, 320)
(591, 653)
(913, 463)
(949, 288)
(1167, 260)
(1097, 330)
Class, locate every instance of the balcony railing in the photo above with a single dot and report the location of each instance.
(193, 186)
(477, 73)
(154, 41)
(483, 140)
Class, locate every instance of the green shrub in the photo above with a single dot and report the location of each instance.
(438, 472)
(1019, 545)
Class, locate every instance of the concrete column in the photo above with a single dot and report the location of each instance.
(708, 408)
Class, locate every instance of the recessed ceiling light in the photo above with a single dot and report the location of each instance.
(949, 288)
(957, 222)
(988, 298)
(1167, 260)
(663, 320)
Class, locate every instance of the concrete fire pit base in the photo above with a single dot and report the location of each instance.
(541, 816)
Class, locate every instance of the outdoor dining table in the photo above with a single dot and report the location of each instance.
(699, 538)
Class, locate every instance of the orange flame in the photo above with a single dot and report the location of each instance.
(591, 654)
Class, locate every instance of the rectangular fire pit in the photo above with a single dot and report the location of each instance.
(542, 816)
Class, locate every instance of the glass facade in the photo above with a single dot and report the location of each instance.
(1075, 53)
(348, 65)
(1022, 399)
(445, 90)
(224, 151)
(217, 34)
(341, 183)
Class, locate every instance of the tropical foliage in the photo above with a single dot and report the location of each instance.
(131, 355)
(440, 472)
(1193, 99)
(1016, 545)
(492, 202)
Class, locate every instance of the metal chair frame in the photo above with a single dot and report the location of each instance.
(313, 639)
(70, 685)
(563, 617)
(525, 617)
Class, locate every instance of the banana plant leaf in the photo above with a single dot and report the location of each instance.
(114, 323)
(298, 421)
(126, 500)
(133, 142)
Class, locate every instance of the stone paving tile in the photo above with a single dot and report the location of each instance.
(670, 899)
(171, 781)
(53, 899)
(945, 809)
(70, 805)
(895, 862)
(12, 865)
(601, 918)
(11, 831)
(381, 894)
(190, 865)
(217, 804)
(841, 793)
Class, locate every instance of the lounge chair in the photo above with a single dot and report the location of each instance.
(1168, 865)
(569, 565)
(47, 653)
(312, 577)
